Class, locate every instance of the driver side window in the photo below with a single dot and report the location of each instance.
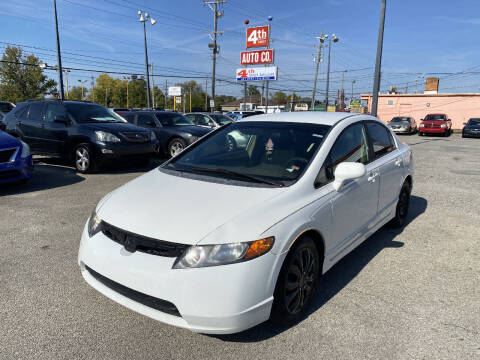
(350, 146)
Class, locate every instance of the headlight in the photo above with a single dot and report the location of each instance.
(192, 139)
(443, 126)
(25, 150)
(222, 254)
(152, 136)
(422, 125)
(94, 224)
(106, 137)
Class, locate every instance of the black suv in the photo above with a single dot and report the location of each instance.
(84, 132)
(174, 131)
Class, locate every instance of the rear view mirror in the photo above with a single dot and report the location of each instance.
(62, 120)
(347, 171)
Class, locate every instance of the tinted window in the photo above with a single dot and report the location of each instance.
(129, 117)
(84, 113)
(401, 119)
(35, 113)
(191, 117)
(268, 150)
(21, 110)
(54, 110)
(145, 120)
(435, 117)
(351, 146)
(171, 119)
(6, 107)
(474, 122)
(380, 139)
(203, 120)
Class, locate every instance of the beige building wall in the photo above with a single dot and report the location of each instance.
(458, 107)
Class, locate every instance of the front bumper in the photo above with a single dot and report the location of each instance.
(216, 300)
(424, 130)
(402, 131)
(471, 133)
(20, 169)
(123, 149)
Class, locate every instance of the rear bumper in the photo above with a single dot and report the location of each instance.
(215, 300)
(18, 170)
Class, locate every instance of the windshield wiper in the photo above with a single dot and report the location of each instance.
(234, 173)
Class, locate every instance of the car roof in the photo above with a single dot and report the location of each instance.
(310, 117)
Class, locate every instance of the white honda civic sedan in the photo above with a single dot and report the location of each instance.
(219, 239)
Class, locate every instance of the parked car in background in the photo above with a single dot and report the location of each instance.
(208, 120)
(403, 125)
(6, 106)
(471, 128)
(173, 130)
(87, 133)
(258, 225)
(435, 124)
(235, 116)
(119, 110)
(16, 162)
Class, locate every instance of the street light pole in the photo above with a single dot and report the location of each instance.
(378, 63)
(143, 19)
(353, 82)
(334, 39)
(59, 56)
(321, 40)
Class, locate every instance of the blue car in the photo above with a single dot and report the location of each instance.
(16, 162)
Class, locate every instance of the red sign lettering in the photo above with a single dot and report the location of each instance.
(258, 36)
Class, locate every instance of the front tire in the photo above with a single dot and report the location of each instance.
(403, 204)
(84, 159)
(296, 283)
(176, 146)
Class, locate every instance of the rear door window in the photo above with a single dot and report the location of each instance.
(380, 139)
(145, 120)
(54, 110)
(36, 112)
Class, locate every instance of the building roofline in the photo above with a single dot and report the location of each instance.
(422, 95)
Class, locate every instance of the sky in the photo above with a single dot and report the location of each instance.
(422, 38)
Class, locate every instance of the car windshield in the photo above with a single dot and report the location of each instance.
(271, 153)
(221, 119)
(6, 107)
(84, 113)
(435, 118)
(172, 119)
(400, 120)
(474, 122)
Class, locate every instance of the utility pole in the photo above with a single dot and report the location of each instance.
(66, 80)
(406, 88)
(216, 14)
(59, 56)
(334, 39)
(153, 88)
(106, 97)
(206, 94)
(93, 89)
(353, 82)
(143, 19)
(342, 97)
(317, 60)
(378, 62)
(166, 95)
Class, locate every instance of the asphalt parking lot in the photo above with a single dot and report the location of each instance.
(412, 293)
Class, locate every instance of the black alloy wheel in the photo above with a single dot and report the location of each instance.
(296, 283)
(403, 204)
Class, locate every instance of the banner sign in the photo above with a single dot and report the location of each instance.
(256, 57)
(260, 73)
(175, 91)
(258, 36)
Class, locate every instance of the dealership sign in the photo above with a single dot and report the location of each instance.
(258, 36)
(260, 73)
(175, 91)
(256, 57)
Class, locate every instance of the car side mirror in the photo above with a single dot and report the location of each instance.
(62, 120)
(347, 171)
(449, 119)
(464, 123)
(421, 119)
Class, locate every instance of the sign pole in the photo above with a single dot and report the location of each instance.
(174, 103)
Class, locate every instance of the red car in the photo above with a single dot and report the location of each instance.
(436, 124)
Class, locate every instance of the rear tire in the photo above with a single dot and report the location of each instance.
(84, 159)
(403, 204)
(296, 283)
(175, 146)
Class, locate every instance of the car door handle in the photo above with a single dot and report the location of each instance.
(398, 162)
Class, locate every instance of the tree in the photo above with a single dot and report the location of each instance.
(252, 90)
(279, 98)
(75, 93)
(21, 77)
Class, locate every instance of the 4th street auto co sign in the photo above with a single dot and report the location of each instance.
(256, 57)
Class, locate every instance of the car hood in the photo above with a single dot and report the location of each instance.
(184, 210)
(194, 130)
(7, 141)
(114, 127)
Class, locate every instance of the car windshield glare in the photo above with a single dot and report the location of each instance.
(435, 118)
(84, 113)
(275, 153)
(169, 119)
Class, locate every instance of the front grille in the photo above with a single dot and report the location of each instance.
(136, 137)
(5, 155)
(9, 174)
(144, 299)
(143, 243)
(436, 126)
(428, 126)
